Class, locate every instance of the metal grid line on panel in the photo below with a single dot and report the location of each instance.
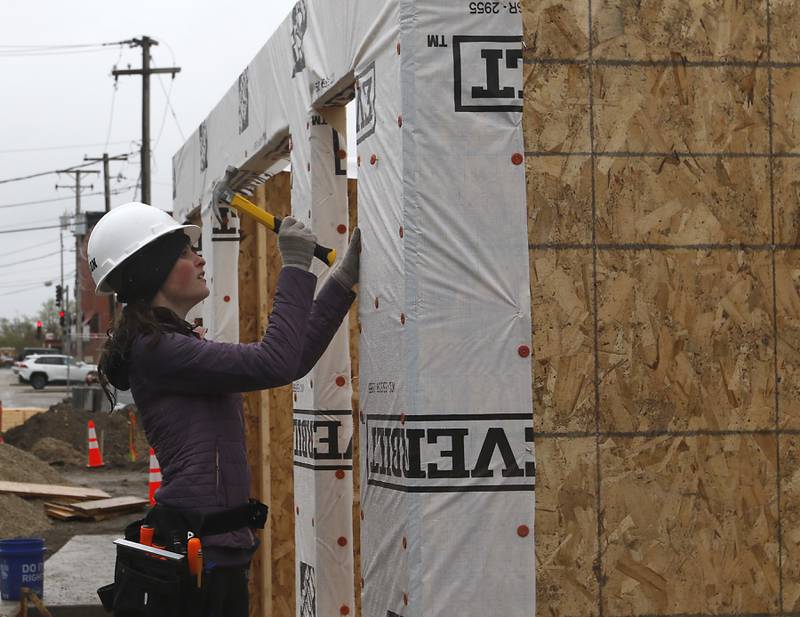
(781, 614)
(659, 63)
(778, 477)
(653, 246)
(667, 433)
(598, 567)
(621, 154)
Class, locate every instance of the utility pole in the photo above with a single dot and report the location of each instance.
(78, 241)
(107, 190)
(106, 176)
(145, 43)
(67, 343)
(63, 329)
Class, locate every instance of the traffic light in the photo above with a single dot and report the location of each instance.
(39, 329)
(62, 318)
(59, 295)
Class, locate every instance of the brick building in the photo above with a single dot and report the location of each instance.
(96, 309)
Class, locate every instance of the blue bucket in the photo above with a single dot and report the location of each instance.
(21, 565)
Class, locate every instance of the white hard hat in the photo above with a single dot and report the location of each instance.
(124, 231)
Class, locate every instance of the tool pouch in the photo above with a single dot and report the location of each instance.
(145, 586)
(148, 587)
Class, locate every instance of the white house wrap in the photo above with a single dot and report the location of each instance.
(447, 466)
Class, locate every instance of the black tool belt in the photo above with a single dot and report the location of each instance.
(173, 524)
(147, 586)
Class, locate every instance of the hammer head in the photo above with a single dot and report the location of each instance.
(222, 192)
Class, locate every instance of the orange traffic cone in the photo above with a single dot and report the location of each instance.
(95, 458)
(155, 476)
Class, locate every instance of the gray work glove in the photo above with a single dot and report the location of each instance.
(345, 272)
(296, 243)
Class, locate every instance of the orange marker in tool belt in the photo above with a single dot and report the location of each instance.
(194, 552)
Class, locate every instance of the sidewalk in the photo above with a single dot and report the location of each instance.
(72, 576)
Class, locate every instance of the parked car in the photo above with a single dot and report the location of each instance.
(15, 368)
(52, 369)
(6, 361)
(37, 351)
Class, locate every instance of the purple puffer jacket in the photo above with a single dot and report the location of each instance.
(188, 390)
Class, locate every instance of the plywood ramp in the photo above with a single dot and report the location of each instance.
(663, 209)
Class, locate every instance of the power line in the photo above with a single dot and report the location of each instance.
(16, 291)
(23, 248)
(36, 54)
(40, 201)
(16, 51)
(64, 46)
(22, 229)
(26, 223)
(28, 288)
(39, 268)
(19, 204)
(42, 173)
(65, 147)
(169, 107)
(30, 259)
(53, 171)
(113, 100)
(22, 283)
(166, 109)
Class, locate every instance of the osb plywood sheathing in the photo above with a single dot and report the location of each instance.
(663, 205)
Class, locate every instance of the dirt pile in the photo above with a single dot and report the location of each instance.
(20, 517)
(16, 465)
(57, 452)
(63, 423)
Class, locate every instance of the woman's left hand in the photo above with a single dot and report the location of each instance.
(346, 270)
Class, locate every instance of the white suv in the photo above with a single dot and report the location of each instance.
(51, 368)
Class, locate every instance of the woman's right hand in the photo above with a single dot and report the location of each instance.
(296, 243)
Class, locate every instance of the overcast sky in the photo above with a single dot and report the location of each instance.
(56, 108)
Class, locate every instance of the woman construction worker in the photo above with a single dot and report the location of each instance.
(187, 391)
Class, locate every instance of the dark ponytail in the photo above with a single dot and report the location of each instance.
(136, 319)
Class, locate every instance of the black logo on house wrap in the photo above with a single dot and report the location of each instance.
(308, 591)
(323, 440)
(93, 265)
(244, 101)
(487, 73)
(202, 133)
(339, 164)
(224, 228)
(451, 453)
(365, 103)
(299, 26)
(174, 178)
